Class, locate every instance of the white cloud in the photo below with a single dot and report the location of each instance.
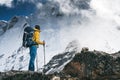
(106, 8)
(7, 3)
(39, 5)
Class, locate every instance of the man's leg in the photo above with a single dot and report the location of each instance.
(33, 52)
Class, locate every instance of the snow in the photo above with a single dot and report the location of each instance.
(57, 69)
(96, 28)
(10, 42)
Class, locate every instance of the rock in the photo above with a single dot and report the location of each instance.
(22, 75)
(71, 65)
(3, 26)
(84, 49)
(93, 65)
(13, 21)
(57, 63)
(55, 78)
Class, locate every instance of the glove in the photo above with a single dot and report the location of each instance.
(43, 42)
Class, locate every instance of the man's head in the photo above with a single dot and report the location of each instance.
(37, 27)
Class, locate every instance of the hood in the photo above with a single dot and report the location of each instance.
(37, 30)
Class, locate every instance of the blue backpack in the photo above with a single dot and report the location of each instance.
(27, 37)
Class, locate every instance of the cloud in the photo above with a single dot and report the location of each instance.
(7, 3)
(10, 3)
(39, 5)
(95, 28)
(106, 8)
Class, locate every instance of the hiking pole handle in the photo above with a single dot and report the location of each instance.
(43, 42)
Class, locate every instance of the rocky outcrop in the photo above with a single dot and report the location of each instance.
(94, 65)
(3, 27)
(22, 75)
(87, 65)
(13, 21)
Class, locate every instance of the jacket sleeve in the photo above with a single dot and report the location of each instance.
(37, 37)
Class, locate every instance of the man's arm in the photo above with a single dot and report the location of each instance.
(37, 37)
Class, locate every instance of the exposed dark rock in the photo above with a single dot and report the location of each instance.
(21, 58)
(13, 21)
(22, 75)
(3, 27)
(81, 4)
(87, 65)
(94, 65)
(1, 55)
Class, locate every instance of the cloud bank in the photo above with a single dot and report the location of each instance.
(99, 31)
(95, 28)
(13, 3)
(7, 3)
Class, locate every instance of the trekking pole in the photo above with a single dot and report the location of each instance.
(44, 53)
(44, 59)
(37, 62)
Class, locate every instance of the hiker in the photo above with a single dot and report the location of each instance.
(33, 48)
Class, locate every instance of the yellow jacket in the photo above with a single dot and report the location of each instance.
(36, 37)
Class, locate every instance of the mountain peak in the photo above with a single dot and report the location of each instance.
(57, 63)
(73, 46)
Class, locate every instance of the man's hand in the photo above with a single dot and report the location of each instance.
(43, 42)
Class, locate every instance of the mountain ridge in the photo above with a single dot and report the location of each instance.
(93, 65)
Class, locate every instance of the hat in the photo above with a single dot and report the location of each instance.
(37, 27)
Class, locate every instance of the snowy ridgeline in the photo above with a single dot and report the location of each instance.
(93, 65)
(15, 57)
(57, 63)
(61, 22)
(11, 53)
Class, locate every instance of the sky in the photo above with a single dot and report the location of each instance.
(97, 28)
(106, 13)
(10, 8)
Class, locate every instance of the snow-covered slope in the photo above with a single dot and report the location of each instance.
(57, 63)
(10, 42)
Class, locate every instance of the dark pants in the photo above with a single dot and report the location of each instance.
(33, 52)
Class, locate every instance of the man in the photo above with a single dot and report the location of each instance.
(33, 48)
